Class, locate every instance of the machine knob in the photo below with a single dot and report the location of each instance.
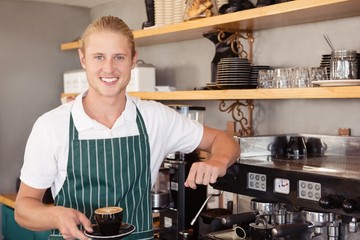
(351, 205)
(331, 201)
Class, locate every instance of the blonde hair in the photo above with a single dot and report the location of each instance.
(110, 23)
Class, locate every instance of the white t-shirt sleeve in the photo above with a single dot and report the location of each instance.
(171, 130)
(39, 168)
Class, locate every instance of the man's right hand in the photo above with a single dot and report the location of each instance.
(68, 220)
(33, 214)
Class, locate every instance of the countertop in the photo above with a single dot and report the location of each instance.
(8, 199)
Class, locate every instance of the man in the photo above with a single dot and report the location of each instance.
(106, 147)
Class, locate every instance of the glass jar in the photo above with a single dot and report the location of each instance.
(343, 65)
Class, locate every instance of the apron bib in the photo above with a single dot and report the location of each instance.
(110, 172)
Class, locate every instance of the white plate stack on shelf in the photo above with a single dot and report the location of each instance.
(159, 13)
(179, 8)
(168, 12)
(234, 72)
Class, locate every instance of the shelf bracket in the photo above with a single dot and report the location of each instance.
(243, 124)
(234, 40)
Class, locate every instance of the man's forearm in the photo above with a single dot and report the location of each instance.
(32, 214)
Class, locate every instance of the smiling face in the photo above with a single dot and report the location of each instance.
(108, 60)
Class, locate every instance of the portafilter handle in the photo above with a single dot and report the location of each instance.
(232, 219)
(289, 229)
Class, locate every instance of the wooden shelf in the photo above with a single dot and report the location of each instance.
(277, 15)
(70, 45)
(247, 94)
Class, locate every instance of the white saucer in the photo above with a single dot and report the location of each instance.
(125, 230)
(336, 83)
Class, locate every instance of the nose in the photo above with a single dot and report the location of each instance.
(108, 66)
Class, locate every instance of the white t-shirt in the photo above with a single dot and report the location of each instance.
(46, 153)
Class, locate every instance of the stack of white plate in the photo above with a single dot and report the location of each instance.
(179, 8)
(159, 12)
(234, 72)
(168, 12)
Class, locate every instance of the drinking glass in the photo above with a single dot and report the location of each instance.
(282, 78)
(318, 74)
(265, 78)
(301, 77)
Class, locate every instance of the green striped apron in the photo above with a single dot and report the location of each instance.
(110, 172)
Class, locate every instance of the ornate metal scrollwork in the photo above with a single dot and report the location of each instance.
(239, 116)
(236, 45)
(243, 123)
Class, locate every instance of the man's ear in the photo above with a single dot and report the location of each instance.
(134, 60)
(82, 59)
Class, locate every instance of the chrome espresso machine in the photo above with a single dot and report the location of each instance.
(184, 202)
(297, 186)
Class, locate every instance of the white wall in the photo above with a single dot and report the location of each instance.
(187, 64)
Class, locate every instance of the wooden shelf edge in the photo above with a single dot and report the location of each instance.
(70, 45)
(277, 15)
(248, 94)
(255, 94)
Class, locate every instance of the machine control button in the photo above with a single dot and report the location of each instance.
(310, 194)
(256, 181)
(309, 190)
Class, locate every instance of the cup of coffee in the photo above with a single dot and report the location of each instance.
(109, 220)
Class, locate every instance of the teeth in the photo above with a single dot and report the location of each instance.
(108, 80)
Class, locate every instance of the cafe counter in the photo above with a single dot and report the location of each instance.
(10, 229)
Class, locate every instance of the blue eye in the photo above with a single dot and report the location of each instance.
(99, 57)
(119, 58)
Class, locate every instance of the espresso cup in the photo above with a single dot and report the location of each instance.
(109, 220)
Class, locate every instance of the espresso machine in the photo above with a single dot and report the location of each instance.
(184, 202)
(296, 186)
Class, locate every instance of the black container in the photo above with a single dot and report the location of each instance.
(279, 147)
(315, 147)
